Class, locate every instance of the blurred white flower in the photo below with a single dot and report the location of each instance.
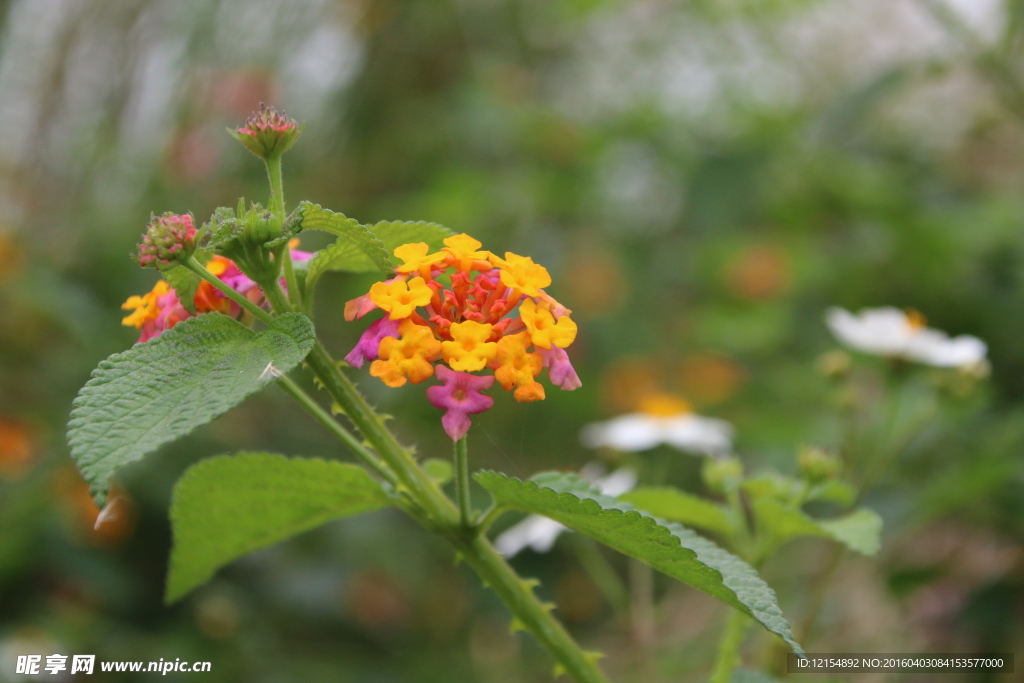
(662, 419)
(540, 533)
(902, 334)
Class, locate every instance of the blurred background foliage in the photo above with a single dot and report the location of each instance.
(702, 177)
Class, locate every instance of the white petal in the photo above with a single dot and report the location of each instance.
(618, 482)
(880, 331)
(704, 435)
(632, 432)
(535, 531)
(936, 348)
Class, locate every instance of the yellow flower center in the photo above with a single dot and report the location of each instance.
(916, 319)
(664, 405)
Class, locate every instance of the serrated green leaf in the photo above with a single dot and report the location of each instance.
(678, 506)
(355, 239)
(344, 255)
(860, 530)
(157, 391)
(665, 546)
(231, 505)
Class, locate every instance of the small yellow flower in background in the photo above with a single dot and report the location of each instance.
(544, 331)
(408, 358)
(400, 299)
(470, 351)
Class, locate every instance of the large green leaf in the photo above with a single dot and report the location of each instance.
(859, 530)
(678, 506)
(347, 256)
(162, 389)
(668, 547)
(355, 241)
(231, 505)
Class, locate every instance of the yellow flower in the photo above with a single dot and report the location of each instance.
(408, 358)
(463, 249)
(415, 258)
(146, 306)
(522, 274)
(401, 299)
(544, 331)
(470, 350)
(514, 366)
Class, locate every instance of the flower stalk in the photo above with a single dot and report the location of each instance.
(462, 483)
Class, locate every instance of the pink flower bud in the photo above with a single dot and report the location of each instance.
(267, 132)
(169, 238)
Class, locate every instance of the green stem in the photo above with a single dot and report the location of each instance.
(294, 291)
(641, 617)
(729, 647)
(488, 516)
(535, 616)
(345, 436)
(602, 572)
(276, 296)
(276, 187)
(369, 424)
(462, 482)
(246, 305)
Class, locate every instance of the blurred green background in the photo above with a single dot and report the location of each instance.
(702, 178)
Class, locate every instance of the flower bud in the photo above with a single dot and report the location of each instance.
(722, 475)
(267, 133)
(817, 465)
(169, 238)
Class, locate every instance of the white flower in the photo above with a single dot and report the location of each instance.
(540, 533)
(663, 419)
(897, 334)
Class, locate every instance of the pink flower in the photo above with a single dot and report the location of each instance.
(369, 343)
(460, 396)
(560, 370)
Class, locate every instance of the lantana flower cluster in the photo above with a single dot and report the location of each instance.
(458, 312)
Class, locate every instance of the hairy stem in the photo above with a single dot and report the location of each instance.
(462, 482)
(246, 305)
(533, 615)
(343, 435)
(276, 187)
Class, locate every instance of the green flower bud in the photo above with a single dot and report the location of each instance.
(818, 465)
(722, 475)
